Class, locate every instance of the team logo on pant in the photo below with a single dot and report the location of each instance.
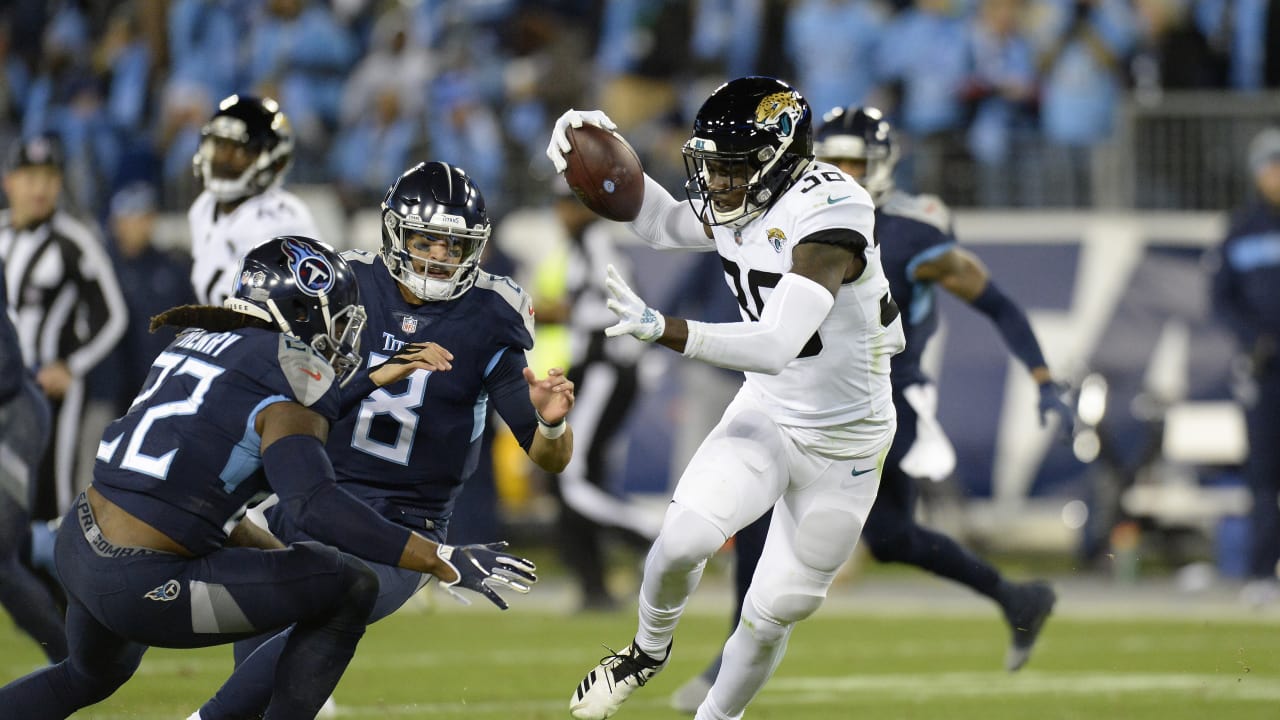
(165, 593)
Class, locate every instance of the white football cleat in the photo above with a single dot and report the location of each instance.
(610, 683)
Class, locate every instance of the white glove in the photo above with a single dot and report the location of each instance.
(634, 316)
(559, 144)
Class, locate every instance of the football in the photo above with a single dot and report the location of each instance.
(604, 172)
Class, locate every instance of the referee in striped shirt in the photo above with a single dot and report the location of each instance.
(63, 299)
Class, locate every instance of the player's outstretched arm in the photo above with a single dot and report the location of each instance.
(663, 222)
(299, 471)
(796, 308)
(962, 274)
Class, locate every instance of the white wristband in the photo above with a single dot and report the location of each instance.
(549, 431)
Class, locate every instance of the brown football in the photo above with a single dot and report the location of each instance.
(604, 172)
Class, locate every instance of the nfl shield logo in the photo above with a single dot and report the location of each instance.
(408, 324)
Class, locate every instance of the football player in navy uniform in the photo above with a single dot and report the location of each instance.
(239, 405)
(1246, 297)
(920, 254)
(25, 420)
(407, 448)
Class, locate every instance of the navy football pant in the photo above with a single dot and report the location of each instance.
(121, 603)
(24, 432)
(1262, 471)
(248, 690)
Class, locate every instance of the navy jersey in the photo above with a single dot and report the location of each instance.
(912, 229)
(405, 449)
(186, 458)
(1247, 284)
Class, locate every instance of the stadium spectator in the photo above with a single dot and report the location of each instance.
(1246, 294)
(1000, 97)
(24, 434)
(1083, 47)
(808, 431)
(375, 146)
(923, 55)
(920, 254)
(245, 152)
(163, 529)
(407, 449)
(834, 49)
(1246, 35)
(64, 297)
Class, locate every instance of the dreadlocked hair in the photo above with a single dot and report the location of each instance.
(207, 317)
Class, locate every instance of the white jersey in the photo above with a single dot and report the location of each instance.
(842, 374)
(218, 244)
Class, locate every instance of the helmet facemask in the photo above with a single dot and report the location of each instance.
(733, 187)
(266, 170)
(412, 250)
(334, 335)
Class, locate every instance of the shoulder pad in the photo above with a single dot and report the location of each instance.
(513, 294)
(928, 209)
(308, 374)
(359, 256)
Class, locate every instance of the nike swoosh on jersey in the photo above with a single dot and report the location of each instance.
(856, 472)
(834, 200)
(312, 375)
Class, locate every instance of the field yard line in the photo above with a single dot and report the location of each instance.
(1034, 683)
(784, 691)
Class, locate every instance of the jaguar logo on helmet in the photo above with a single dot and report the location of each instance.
(312, 271)
(779, 112)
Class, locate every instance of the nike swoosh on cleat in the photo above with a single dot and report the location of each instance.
(834, 200)
(856, 472)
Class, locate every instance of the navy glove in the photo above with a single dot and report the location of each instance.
(481, 567)
(1051, 403)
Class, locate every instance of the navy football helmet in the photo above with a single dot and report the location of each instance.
(256, 128)
(304, 288)
(752, 138)
(434, 203)
(860, 133)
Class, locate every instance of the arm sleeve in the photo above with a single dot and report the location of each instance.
(300, 473)
(1012, 324)
(792, 314)
(667, 223)
(504, 379)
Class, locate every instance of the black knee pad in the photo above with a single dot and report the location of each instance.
(362, 589)
(359, 586)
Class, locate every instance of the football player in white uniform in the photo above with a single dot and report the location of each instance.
(245, 151)
(808, 432)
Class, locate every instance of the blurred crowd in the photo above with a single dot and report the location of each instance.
(1010, 93)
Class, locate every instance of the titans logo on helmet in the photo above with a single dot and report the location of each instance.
(313, 273)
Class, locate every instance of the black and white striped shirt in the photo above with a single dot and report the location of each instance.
(63, 294)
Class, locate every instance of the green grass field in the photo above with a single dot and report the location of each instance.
(879, 660)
